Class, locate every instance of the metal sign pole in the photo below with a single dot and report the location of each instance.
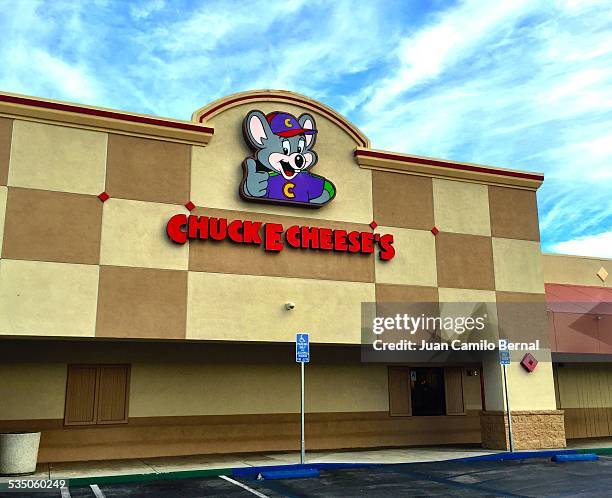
(302, 355)
(508, 408)
(302, 444)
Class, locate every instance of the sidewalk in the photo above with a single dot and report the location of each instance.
(219, 464)
(162, 465)
(592, 443)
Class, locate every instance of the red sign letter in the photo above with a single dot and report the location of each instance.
(250, 231)
(174, 228)
(292, 235)
(234, 230)
(272, 236)
(198, 227)
(387, 251)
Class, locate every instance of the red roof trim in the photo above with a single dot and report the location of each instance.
(291, 98)
(450, 165)
(104, 113)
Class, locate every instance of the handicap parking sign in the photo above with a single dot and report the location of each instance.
(504, 357)
(302, 348)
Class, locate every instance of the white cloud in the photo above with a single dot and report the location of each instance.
(454, 34)
(519, 84)
(45, 51)
(144, 10)
(528, 89)
(69, 80)
(599, 246)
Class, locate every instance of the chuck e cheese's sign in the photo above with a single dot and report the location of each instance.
(275, 237)
(279, 172)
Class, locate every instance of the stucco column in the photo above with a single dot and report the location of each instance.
(536, 422)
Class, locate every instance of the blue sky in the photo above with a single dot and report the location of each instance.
(524, 85)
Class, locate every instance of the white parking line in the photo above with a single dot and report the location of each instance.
(65, 492)
(243, 486)
(97, 491)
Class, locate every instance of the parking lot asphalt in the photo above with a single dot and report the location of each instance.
(535, 477)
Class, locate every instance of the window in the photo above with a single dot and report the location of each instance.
(97, 394)
(427, 386)
(423, 391)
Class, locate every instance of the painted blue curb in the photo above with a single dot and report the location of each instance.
(581, 457)
(290, 474)
(254, 471)
(517, 455)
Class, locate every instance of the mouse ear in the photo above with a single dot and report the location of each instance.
(256, 129)
(307, 122)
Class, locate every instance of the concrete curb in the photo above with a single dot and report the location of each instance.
(597, 451)
(517, 455)
(252, 472)
(153, 476)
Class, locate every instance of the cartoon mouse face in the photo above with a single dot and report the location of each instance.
(278, 172)
(283, 143)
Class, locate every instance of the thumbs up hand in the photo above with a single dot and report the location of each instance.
(256, 182)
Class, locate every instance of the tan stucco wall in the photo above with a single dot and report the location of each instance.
(247, 307)
(37, 391)
(133, 234)
(414, 262)
(189, 389)
(576, 270)
(32, 391)
(461, 207)
(527, 391)
(57, 158)
(3, 192)
(518, 265)
(47, 299)
(585, 386)
(472, 399)
(46, 290)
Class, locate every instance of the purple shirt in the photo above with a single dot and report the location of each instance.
(301, 188)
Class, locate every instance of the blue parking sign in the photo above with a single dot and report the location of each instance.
(504, 357)
(302, 348)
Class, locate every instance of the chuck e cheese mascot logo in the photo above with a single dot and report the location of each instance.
(279, 172)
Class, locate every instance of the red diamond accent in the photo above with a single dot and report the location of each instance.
(190, 205)
(373, 224)
(529, 362)
(435, 230)
(103, 196)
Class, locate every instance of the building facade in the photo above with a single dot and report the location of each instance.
(118, 339)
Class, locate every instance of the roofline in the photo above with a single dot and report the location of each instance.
(579, 256)
(46, 110)
(428, 166)
(204, 114)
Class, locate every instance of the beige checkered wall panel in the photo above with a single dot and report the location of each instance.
(47, 299)
(3, 195)
(51, 157)
(76, 266)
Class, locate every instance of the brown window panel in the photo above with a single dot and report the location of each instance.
(453, 389)
(399, 391)
(81, 395)
(97, 394)
(113, 394)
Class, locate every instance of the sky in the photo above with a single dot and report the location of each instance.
(517, 84)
